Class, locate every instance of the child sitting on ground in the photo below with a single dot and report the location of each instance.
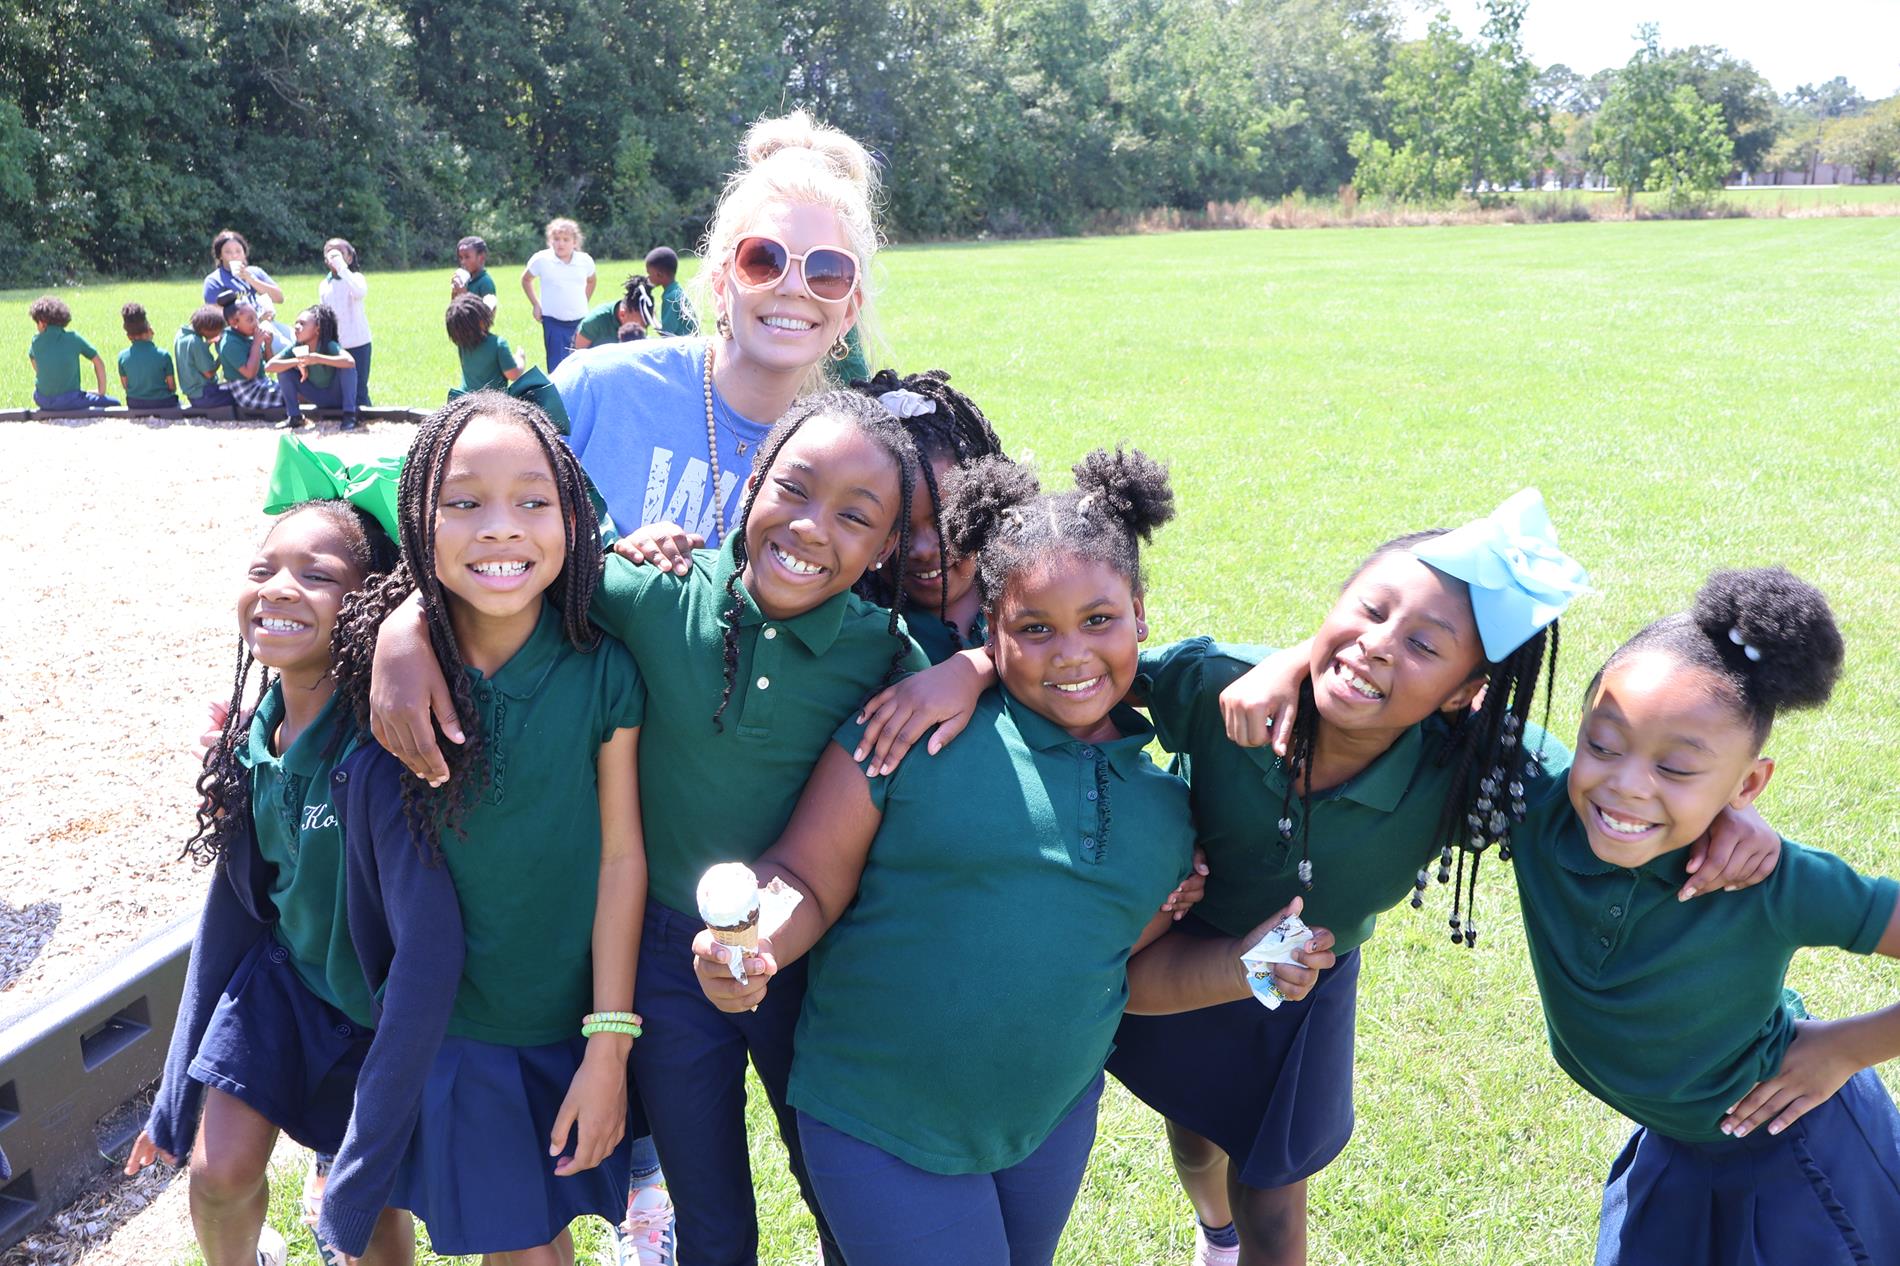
(472, 277)
(145, 369)
(676, 315)
(195, 356)
(604, 324)
(242, 352)
(54, 355)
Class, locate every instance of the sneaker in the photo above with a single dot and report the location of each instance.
(349, 422)
(1206, 1254)
(646, 1237)
(271, 1249)
(286, 424)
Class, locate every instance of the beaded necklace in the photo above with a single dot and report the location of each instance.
(712, 447)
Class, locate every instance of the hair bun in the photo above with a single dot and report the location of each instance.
(1133, 487)
(799, 137)
(1776, 630)
(978, 496)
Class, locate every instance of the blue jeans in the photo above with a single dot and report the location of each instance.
(362, 374)
(689, 1070)
(71, 401)
(557, 337)
(887, 1212)
(340, 394)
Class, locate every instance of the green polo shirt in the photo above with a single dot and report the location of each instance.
(601, 325)
(234, 352)
(56, 353)
(197, 362)
(486, 364)
(298, 833)
(323, 375)
(938, 640)
(143, 370)
(724, 794)
(528, 869)
(1369, 836)
(675, 317)
(481, 283)
(1671, 1011)
(1024, 864)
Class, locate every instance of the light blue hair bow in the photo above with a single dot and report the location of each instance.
(1520, 581)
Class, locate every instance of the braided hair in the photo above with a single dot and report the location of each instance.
(325, 317)
(1766, 635)
(224, 786)
(432, 810)
(874, 422)
(955, 431)
(1485, 794)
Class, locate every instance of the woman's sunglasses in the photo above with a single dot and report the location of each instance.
(760, 263)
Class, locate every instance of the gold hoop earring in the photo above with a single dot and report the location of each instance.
(840, 349)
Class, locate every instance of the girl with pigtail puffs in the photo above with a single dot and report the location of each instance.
(1417, 691)
(951, 1122)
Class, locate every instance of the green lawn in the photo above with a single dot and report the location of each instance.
(1687, 395)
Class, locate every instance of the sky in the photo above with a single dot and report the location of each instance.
(1790, 44)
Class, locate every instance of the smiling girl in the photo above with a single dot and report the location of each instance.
(273, 1026)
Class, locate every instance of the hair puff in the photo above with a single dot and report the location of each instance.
(1133, 487)
(1787, 623)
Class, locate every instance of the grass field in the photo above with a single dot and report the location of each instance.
(1686, 394)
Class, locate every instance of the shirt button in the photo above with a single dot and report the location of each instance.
(764, 682)
(1604, 941)
(1616, 912)
(1088, 841)
(342, 775)
(1091, 794)
(770, 633)
(342, 1030)
(1088, 751)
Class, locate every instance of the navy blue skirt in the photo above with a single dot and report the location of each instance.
(279, 1048)
(478, 1171)
(1823, 1192)
(1272, 1089)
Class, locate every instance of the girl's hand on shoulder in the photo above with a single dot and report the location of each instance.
(144, 1152)
(1818, 1063)
(667, 546)
(408, 694)
(1738, 850)
(1188, 893)
(1258, 706)
(715, 978)
(944, 695)
(220, 712)
(595, 1109)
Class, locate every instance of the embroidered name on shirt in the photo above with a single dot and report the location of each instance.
(318, 817)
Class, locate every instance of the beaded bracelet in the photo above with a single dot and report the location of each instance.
(610, 1017)
(624, 1023)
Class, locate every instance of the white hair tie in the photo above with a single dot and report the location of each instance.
(907, 404)
(1753, 652)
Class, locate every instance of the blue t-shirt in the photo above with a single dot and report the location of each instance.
(221, 279)
(639, 427)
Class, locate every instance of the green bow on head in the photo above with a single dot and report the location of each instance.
(303, 474)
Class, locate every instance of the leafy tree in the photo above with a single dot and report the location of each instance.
(1831, 100)
(1749, 113)
(1657, 133)
(1868, 142)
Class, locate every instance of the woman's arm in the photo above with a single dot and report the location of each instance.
(261, 281)
(596, 1102)
(821, 855)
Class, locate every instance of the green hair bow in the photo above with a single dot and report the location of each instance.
(301, 473)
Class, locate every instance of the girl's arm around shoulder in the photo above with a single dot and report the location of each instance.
(943, 696)
(821, 854)
(227, 930)
(406, 925)
(409, 696)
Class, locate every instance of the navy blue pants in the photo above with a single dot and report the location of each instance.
(689, 1071)
(1823, 1192)
(362, 374)
(887, 1212)
(342, 393)
(214, 396)
(72, 401)
(557, 339)
(151, 402)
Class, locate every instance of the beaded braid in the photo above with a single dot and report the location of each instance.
(872, 420)
(430, 811)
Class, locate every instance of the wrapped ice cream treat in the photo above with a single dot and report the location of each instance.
(737, 909)
(1279, 945)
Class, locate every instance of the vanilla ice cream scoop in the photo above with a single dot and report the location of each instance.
(729, 898)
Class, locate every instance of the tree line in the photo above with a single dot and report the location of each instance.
(404, 124)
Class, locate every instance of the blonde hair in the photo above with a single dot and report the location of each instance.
(562, 222)
(798, 159)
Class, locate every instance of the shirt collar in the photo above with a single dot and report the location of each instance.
(816, 629)
(528, 667)
(1379, 786)
(1044, 735)
(307, 753)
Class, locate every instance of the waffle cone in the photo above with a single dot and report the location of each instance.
(746, 938)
